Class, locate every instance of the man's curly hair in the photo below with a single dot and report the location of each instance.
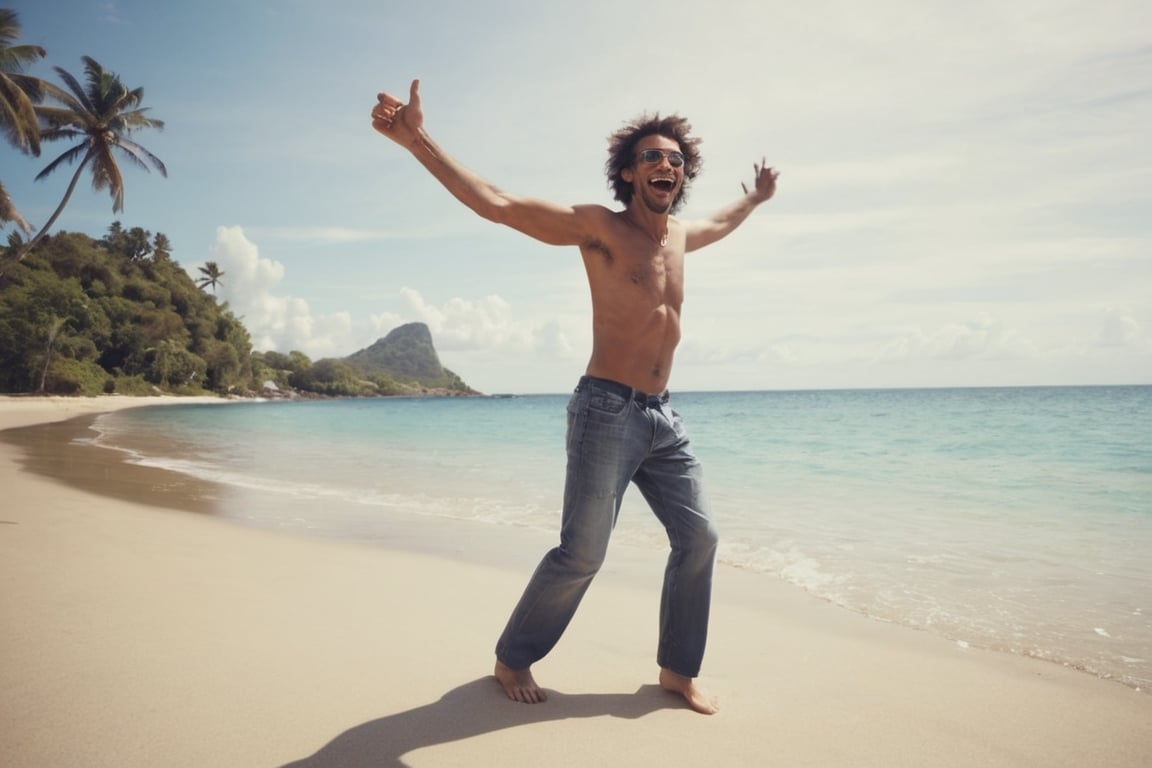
(622, 152)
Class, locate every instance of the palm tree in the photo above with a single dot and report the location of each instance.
(100, 115)
(212, 274)
(8, 212)
(18, 93)
(162, 247)
(54, 326)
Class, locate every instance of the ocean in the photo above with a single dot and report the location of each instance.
(1013, 519)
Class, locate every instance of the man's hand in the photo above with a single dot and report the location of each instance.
(707, 231)
(765, 183)
(399, 121)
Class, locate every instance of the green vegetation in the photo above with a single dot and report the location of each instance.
(86, 317)
(211, 275)
(405, 362)
(81, 316)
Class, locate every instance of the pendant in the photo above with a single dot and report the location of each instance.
(664, 240)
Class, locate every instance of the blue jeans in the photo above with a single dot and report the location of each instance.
(617, 436)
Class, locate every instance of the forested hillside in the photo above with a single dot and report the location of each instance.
(406, 353)
(119, 314)
(79, 316)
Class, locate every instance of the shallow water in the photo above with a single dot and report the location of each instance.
(1017, 519)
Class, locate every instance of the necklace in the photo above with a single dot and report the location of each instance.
(661, 241)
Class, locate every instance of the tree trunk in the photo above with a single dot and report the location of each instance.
(23, 250)
(53, 332)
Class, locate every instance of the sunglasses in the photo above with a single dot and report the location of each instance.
(675, 159)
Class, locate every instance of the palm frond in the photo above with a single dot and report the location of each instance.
(14, 58)
(69, 101)
(78, 99)
(106, 175)
(69, 156)
(63, 132)
(8, 211)
(142, 156)
(18, 91)
(135, 119)
(33, 87)
(18, 117)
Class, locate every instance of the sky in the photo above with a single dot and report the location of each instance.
(965, 195)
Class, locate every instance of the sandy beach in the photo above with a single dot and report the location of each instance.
(140, 630)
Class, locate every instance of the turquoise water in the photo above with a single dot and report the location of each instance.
(1014, 519)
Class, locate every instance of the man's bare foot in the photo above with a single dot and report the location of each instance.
(686, 687)
(519, 684)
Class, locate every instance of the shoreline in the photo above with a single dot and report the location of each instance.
(62, 451)
(137, 634)
(58, 451)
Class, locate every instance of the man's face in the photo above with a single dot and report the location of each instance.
(655, 184)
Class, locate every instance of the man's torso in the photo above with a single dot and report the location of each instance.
(637, 288)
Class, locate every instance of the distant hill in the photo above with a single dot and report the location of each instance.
(407, 354)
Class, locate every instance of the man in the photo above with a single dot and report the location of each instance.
(621, 426)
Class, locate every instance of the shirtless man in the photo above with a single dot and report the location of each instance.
(621, 426)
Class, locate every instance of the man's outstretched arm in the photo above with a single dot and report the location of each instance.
(707, 231)
(548, 222)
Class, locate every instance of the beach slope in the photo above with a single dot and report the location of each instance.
(135, 634)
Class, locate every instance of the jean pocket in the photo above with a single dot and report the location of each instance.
(606, 402)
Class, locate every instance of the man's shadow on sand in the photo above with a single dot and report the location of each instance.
(472, 709)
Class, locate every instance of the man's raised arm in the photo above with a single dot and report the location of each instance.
(707, 231)
(548, 222)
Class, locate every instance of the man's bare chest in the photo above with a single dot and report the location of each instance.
(656, 272)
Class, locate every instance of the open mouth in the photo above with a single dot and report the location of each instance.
(663, 183)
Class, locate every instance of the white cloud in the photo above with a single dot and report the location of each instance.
(280, 323)
(380, 324)
(285, 323)
(1121, 329)
(549, 340)
(984, 338)
(486, 323)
